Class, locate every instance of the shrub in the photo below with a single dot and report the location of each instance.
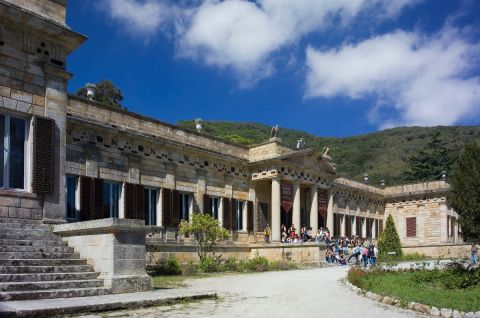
(231, 264)
(257, 264)
(210, 264)
(389, 241)
(281, 266)
(190, 268)
(167, 266)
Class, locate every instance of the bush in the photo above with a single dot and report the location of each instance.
(190, 268)
(167, 266)
(256, 264)
(281, 266)
(210, 264)
(231, 264)
(389, 241)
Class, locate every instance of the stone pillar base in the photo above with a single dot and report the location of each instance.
(115, 248)
(120, 284)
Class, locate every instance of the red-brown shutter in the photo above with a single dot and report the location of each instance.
(358, 226)
(227, 213)
(206, 205)
(250, 216)
(129, 201)
(99, 212)
(86, 198)
(411, 227)
(348, 226)
(43, 155)
(234, 214)
(167, 207)
(139, 202)
(322, 203)
(175, 208)
(377, 233)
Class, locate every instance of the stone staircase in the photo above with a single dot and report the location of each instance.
(36, 264)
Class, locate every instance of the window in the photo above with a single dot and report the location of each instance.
(72, 206)
(151, 196)
(214, 207)
(111, 199)
(411, 227)
(239, 214)
(13, 145)
(184, 204)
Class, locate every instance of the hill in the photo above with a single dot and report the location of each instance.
(383, 154)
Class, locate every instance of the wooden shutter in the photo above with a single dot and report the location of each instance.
(99, 213)
(380, 227)
(336, 225)
(43, 155)
(234, 214)
(139, 202)
(167, 207)
(227, 213)
(358, 226)
(377, 234)
(175, 212)
(411, 227)
(129, 201)
(250, 216)
(348, 226)
(206, 205)
(86, 198)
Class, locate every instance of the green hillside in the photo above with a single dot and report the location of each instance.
(381, 154)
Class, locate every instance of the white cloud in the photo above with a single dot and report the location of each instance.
(427, 79)
(137, 17)
(243, 35)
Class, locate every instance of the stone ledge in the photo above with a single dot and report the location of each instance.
(64, 306)
(102, 226)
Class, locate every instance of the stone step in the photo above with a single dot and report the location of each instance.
(24, 226)
(35, 277)
(27, 242)
(22, 236)
(19, 221)
(39, 255)
(42, 262)
(55, 293)
(31, 233)
(40, 285)
(46, 269)
(45, 249)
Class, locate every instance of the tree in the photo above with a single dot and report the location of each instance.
(429, 164)
(105, 93)
(206, 231)
(389, 240)
(464, 196)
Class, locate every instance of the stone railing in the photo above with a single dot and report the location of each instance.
(417, 188)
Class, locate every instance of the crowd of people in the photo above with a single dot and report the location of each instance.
(337, 249)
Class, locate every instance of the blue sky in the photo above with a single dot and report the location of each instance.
(329, 67)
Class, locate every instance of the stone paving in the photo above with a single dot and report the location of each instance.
(301, 293)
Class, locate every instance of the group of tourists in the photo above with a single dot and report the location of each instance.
(290, 235)
(335, 253)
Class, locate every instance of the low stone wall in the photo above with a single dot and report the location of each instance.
(439, 251)
(116, 249)
(310, 254)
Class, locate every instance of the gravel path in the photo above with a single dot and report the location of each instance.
(300, 293)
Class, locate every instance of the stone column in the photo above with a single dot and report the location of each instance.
(160, 208)
(374, 229)
(314, 208)
(330, 213)
(275, 209)
(201, 189)
(220, 212)
(296, 207)
(364, 227)
(244, 217)
(343, 219)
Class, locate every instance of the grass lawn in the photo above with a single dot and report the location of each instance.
(401, 286)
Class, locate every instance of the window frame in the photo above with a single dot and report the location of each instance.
(26, 151)
(184, 206)
(149, 216)
(214, 199)
(239, 214)
(120, 192)
(77, 198)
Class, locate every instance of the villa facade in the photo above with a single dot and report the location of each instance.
(69, 159)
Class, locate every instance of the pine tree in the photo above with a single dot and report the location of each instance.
(464, 196)
(389, 240)
(428, 164)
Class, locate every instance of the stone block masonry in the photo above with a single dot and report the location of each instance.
(116, 249)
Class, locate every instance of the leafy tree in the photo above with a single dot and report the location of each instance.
(429, 163)
(389, 240)
(464, 196)
(207, 232)
(105, 93)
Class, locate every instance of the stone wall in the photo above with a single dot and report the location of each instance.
(54, 10)
(439, 251)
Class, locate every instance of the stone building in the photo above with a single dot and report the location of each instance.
(68, 159)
